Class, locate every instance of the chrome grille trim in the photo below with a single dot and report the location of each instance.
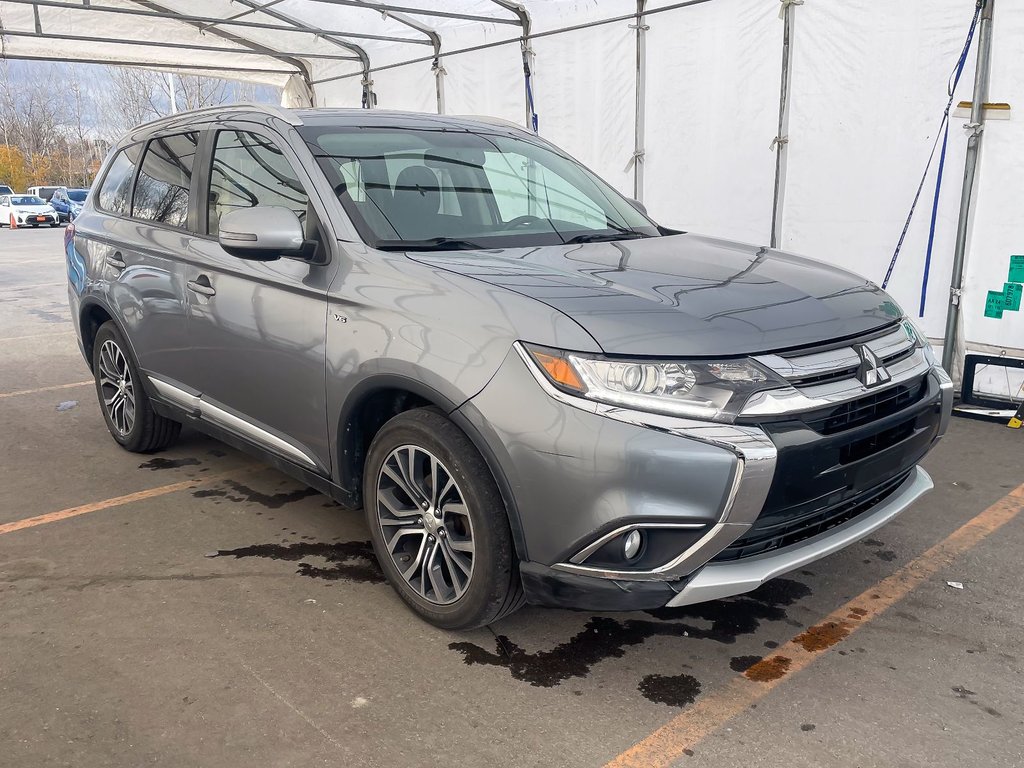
(796, 367)
(832, 375)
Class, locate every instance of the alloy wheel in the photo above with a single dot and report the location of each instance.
(425, 524)
(117, 388)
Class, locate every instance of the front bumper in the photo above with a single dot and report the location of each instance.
(577, 472)
(724, 579)
(28, 219)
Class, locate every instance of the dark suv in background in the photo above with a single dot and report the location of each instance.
(535, 392)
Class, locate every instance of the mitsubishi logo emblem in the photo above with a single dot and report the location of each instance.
(871, 371)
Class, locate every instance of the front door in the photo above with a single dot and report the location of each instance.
(258, 329)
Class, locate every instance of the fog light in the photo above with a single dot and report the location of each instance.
(631, 546)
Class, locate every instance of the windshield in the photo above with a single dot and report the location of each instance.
(411, 189)
(26, 200)
(78, 195)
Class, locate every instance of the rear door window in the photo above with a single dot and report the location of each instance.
(116, 192)
(250, 170)
(165, 177)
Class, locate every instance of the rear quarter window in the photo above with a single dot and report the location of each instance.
(115, 195)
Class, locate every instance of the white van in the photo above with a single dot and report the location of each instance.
(44, 192)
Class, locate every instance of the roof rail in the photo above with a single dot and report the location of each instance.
(241, 106)
(488, 119)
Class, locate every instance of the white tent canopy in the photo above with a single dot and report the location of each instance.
(681, 109)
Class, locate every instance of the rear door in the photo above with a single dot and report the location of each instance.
(134, 248)
(257, 330)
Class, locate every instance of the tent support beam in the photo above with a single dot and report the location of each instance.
(209, 22)
(175, 46)
(976, 126)
(639, 124)
(533, 36)
(389, 9)
(369, 98)
(300, 66)
(433, 39)
(529, 58)
(208, 68)
(781, 141)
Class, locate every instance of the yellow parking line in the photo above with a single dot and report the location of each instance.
(44, 389)
(678, 736)
(117, 501)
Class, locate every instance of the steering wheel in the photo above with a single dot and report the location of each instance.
(522, 221)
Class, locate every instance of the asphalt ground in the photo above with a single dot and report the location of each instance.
(197, 608)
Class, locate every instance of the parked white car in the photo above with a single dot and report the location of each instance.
(27, 210)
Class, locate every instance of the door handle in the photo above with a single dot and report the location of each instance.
(201, 285)
(116, 261)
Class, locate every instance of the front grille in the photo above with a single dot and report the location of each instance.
(842, 374)
(866, 409)
(770, 533)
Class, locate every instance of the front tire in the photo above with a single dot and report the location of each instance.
(438, 523)
(126, 408)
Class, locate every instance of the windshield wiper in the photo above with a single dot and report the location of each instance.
(430, 244)
(597, 237)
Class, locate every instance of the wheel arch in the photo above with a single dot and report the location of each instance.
(379, 398)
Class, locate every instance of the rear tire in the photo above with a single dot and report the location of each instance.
(126, 407)
(438, 523)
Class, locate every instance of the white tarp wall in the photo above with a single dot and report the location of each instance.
(868, 88)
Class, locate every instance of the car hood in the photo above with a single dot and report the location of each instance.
(33, 208)
(683, 295)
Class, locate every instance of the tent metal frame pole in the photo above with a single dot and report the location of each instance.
(172, 46)
(369, 97)
(209, 22)
(158, 66)
(300, 66)
(433, 39)
(532, 36)
(976, 128)
(781, 141)
(639, 121)
(529, 57)
(389, 9)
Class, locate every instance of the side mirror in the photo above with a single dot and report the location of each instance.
(638, 205)
(262, 233)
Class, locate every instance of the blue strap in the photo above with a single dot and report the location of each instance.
(529, 96)
(954, 79)
(931, 228)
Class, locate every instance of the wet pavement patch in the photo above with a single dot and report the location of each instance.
(268, 500)
(743, 663)
(161, 463)
(674, 690)
(347, 560)
(603, 637)
(807, 727)
(205, 493)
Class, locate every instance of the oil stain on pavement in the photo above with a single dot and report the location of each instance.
(160, 462)
(347, 560)
(603, 638)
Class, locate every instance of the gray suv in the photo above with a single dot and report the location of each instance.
(535, 392)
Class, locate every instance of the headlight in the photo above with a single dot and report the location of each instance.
(916, 335)
(703, 389)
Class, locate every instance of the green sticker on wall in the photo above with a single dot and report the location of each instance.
(1016, 269)
(994, 304)
(1012, 293)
